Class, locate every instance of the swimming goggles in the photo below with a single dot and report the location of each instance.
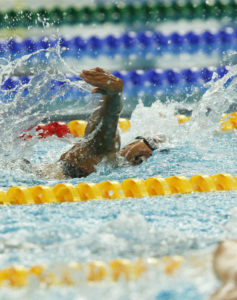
(154, 143)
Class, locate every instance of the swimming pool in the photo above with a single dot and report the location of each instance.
(185, 226)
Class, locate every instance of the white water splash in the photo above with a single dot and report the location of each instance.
(150, 121)
(160, 118)
(27, 104)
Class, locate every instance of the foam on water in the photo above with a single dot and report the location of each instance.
(197, 137)
(26, 105)
(159, 117)
(39, 102)
(104, 230)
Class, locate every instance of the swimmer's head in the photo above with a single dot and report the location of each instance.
(141, 149)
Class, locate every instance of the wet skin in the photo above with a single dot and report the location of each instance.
(136, 152)
(101, 139)
(224, 265)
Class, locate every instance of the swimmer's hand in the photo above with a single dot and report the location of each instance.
(104, 82)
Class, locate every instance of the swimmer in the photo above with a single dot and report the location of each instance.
(101, 139)
(225, 267)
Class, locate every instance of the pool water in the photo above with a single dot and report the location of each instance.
(189, 225)
(104, 230)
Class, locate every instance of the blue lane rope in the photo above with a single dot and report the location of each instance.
(136, 83)
(111, 45)
(155, 77)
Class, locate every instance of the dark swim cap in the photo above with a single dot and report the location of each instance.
(154, 143)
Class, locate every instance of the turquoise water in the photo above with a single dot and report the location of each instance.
(215, 155)
(105, 230)
(186, 225)
(128, 228)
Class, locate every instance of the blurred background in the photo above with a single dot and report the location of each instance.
(164, 50)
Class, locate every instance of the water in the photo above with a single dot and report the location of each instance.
(27, 104)
(188, 225)
(104, 230)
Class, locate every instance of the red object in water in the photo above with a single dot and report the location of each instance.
(60, 129)
(44, 130)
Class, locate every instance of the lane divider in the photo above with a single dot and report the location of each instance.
(121, 13)
(62, 129)
(156, 78)
(154, 42)
(96, 271)
(112, 189)
(228, 122)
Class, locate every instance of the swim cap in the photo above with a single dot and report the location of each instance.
(155, 142)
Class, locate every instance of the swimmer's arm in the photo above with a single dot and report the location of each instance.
(101, 129)
(94, 119)
(105, 137)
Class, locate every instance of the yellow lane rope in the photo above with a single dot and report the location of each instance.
(74, 273)
(111, 189)
(77, 127)
(228, 122)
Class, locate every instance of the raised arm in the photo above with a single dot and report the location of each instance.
(101, 137)
(101, 131)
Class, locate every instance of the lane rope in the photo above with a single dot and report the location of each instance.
(228, 122)
(74, 274)
(152, 42)
(111, 189)
(62, 129)
(143, 79)
(151, 11)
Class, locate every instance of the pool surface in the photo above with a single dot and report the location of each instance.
(168, 67)
(187, 225)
